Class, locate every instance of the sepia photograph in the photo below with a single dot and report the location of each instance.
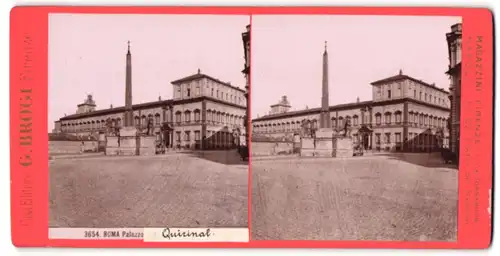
(148, 120)
(355, 127)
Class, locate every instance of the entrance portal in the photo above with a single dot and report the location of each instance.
(365, 141)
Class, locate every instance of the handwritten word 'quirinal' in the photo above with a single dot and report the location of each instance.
(168, 234)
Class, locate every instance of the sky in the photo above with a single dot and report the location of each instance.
(87, 54)
(287, 55)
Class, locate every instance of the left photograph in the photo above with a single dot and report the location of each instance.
(148, 121)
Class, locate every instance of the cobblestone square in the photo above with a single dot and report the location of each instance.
(178, 190)
(404, 198)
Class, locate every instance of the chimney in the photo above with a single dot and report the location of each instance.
(159, 98)
(357, 100)
(111, 106)
(199, 71)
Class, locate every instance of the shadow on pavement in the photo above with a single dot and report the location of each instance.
(429, 160)
(227, 157)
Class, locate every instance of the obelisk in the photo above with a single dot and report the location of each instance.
(324, 119)
(323, 139)
(128, 119)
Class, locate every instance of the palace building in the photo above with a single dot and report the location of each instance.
(405, 114)
(454, 39)
(204, 113)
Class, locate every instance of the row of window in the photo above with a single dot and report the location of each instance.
(90, 125)
(421, 119)
(196, 114)
(426, 97)
(187, 116)
(213, 93)
(211, 135)
(187, 136)
(387, 137)
(412, 137)
(413, 118)
(211, 117)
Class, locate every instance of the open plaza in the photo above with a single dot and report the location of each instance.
(182, 189)
(393, 197)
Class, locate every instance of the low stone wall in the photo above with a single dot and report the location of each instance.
(71, 147)
(271, 148)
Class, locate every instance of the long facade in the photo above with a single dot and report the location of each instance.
(204, 113)
(406, 114)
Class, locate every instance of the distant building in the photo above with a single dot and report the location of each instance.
(454, 39)
(406, 114)
(204, 113)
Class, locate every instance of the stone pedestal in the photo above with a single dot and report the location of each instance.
(129, 131)
(130, 143)
(307, 147)
(147, 145)
(327, 144)
(324, 142)
(343, 147)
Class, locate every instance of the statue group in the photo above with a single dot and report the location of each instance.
(112, 129)
(308, 130)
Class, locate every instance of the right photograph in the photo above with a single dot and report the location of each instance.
(355, 127)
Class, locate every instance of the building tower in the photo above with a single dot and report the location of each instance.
(128, 119)
(283, 106)
(324, 118)
(454, 40)
(88, 105)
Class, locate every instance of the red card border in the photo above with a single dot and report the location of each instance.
(29, 213)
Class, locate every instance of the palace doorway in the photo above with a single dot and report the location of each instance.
(365, 133)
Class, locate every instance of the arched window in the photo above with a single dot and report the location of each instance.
(355, 120)
(388, 117)
(157, 118)
(315, 124)
(378, 118)
(397, 115)
(197, 116)
(340, 122)
(178, 117)
(187, 116)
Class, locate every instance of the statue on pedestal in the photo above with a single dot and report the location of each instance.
(347, 128)
(306, 129)
(109, 127)
(149, 127)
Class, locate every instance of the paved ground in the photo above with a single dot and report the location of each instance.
(365, 198)
(176, 190)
